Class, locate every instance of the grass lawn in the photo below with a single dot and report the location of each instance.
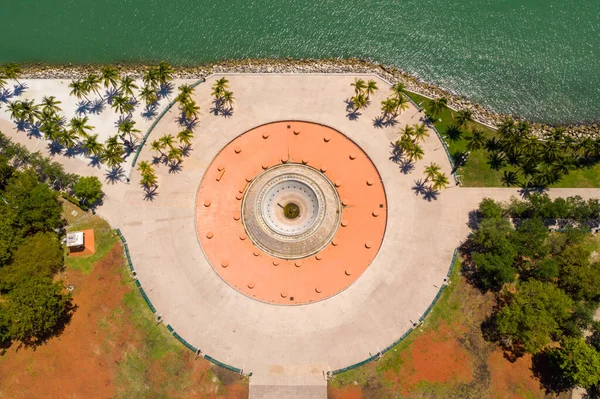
(103, 235)
(477, 172)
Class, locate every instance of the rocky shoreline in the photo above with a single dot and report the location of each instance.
(389, 73)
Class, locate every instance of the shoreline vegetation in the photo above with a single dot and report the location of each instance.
(392, 74)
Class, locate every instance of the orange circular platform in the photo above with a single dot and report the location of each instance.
(342, 258)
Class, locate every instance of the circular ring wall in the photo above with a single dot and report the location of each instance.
(291, 212)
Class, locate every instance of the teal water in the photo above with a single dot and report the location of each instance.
(535, 58)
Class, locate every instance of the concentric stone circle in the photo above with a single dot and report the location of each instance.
(263, 211)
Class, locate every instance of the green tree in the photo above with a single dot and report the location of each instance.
(38, 308)
(359, 86)
(463, 117)
(11, 71)
(431, 171)
(164, 72)
(371, 88)
(109, 76)
(128, 86)
(490, 209)
(38, 255)
(92, 83)
(577, 362)
(440, 181)
(185, 137)
(148, 94)
(420, 132)
(122, 105)
(80, 126)
(91, 145)
(533, 316)
(436, 106)
(477, 140)
(78, 89)
(88, 190)
(50, 104)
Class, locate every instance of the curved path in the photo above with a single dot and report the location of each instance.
(294, 344)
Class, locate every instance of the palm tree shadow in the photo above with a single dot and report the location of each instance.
(189, 124)
(97, 106)
(71, 152)
(5, 96)
(95, 161)
(150, 112)
(390, 122)
(22, 125)
(150, 193)
(115, 175)
(165, 90)
(34, 131)
(226, 112)
(406, 166)
(82, 107)
(55, 148)
(526, 192)
(396, 156)
(353, 115)
(419, 188)
(430, 194)
(186, 150)
(111, 93)
(19, 89)
(157, 160)
(175, 168)
(378, 122)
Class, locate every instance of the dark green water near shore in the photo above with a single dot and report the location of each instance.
(536, 58)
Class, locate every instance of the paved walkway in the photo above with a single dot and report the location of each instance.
(291, 345)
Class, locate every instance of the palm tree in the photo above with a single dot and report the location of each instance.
(80, 126)
(78, 89)
(164, 72)
(16, 111)
(496, 160)
(53, 132)
(148, 94)
(2, 82)
(227, 98)
(158, 146)
(150, 77)
(415, 152)
(122, 105)
(398, 90)
(401, 104)
(440, 180)
(27, 110)
(50, 104)
(148, 175)
(185, 93)
(436, 106)
(388, 107)
(431, 171)
(92, 82)
(113, 143)
(109, 75)
(509, 178)
(359, 86)
(128, 127)
(12, 71)
(420, 132)
(185, 137)
(174, 154)
(144, 167)
(167, 141)
(371, 88)
(68, 138)
(476, 141)
(113, 157)
(463, 117)
(127, 86)
(190, 109)
(91, 145)
(359, 101)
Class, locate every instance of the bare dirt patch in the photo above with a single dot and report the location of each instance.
(435, 357)
(513, 380)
